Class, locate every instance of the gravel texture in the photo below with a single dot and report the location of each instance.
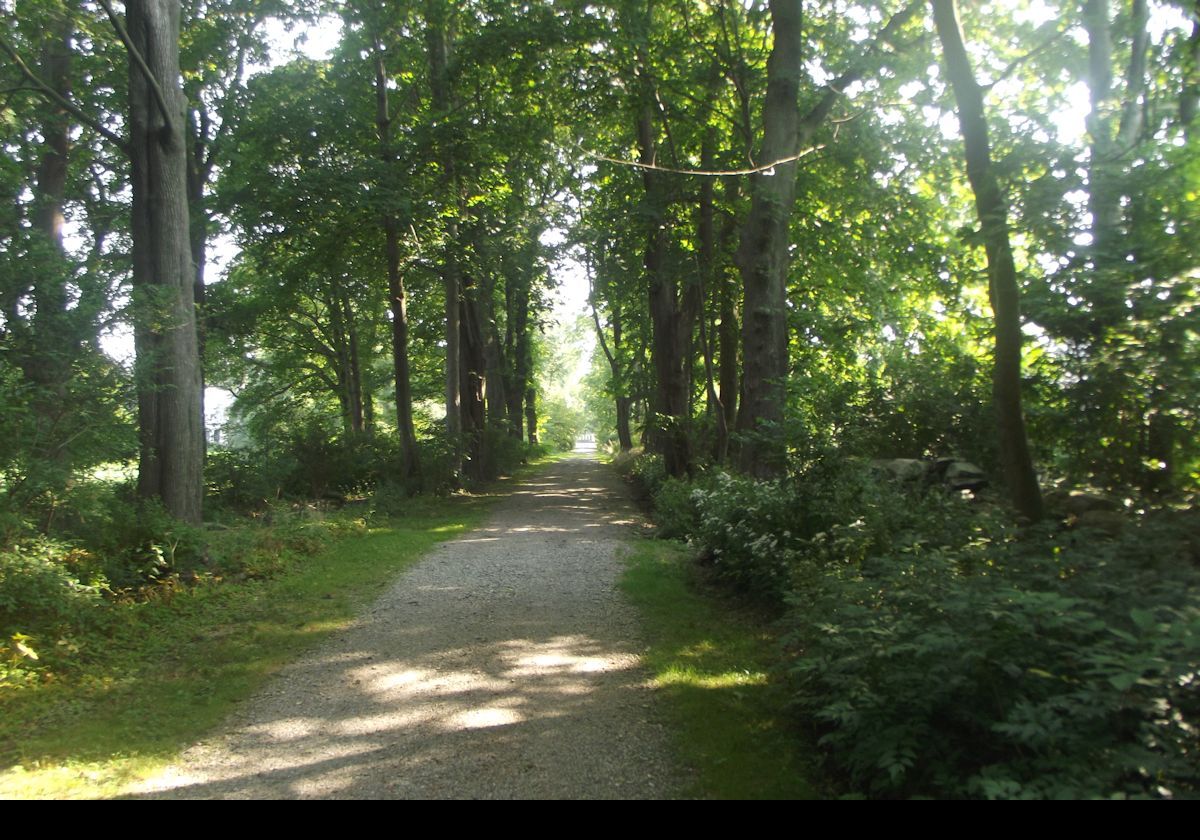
(503, 666)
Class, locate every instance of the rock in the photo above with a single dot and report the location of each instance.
(1065, 502)
(1109, 522)
(950, 473)
(960, 475)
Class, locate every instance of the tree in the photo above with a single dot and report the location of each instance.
(992, 211)
(170, 424)
(763, 254)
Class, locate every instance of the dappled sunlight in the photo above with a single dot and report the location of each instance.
(496, 657)
(728, 679)
(484, 718)
(525, 684)
(287, 729)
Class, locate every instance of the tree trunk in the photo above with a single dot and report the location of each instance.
(171, 459)
(54, 346)
(763, 256)
(623, 402)
(473, 384)
(438, 42)
(531, 417)
(358, 390)
(1111, 141)
(493, 353)
(410, 455)
(727, 332)
(707, 271)
(522, 362)
(668, 334)
(1002, 276)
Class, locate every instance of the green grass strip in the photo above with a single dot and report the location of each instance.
(710, 660)
(171, 670)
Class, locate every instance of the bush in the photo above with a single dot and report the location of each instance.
(768, 537)
(41, 589)
(243, 480)
(135, 543)
(941, 652)
(647, 473)
(1038, 668)
(675, 511)
(45, 596)
(257, 552)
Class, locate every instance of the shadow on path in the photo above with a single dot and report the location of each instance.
(503, 666)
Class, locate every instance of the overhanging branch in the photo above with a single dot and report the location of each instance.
(136, 57)
(41, 87)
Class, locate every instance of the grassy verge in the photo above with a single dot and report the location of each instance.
(710, 660)
(167, 671)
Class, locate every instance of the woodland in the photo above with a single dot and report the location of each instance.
(819, 239)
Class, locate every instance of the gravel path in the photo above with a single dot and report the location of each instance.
(504, 665)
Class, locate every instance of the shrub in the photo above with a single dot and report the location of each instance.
(45, 596)
(41, 589)
(1002, 669)
(768, 537)
(135, 543)
(675, 511)
(647, 473)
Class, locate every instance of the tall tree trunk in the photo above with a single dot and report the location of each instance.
(55, 343)
(473, 367)
(514, 391)
(171, 459)
(199, 169)
(763, 256)
(728, 333)
(668, 332)
(613, 355)
(357, 389)
(438, 43)
(410, 456)
(522, 388)
(1113, 127)
(709, 270)
(493, 353)
(1002, 276)
(531, 416)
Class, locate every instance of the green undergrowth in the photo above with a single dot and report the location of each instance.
(162, 671)
(710, 660)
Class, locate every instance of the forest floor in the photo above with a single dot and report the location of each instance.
(504, 665)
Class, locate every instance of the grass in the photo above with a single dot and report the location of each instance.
(710, 660)
(169, 670)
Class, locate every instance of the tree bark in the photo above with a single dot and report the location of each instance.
(473, 387)
(438, 43)
(410, 455)
(707, 271)
(763, 256)
(1002, 276)
(171, 458)
(669, 323)
(48, 364)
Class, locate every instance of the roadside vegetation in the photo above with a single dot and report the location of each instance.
(711, 656)
(117, 653)
(927, 647)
